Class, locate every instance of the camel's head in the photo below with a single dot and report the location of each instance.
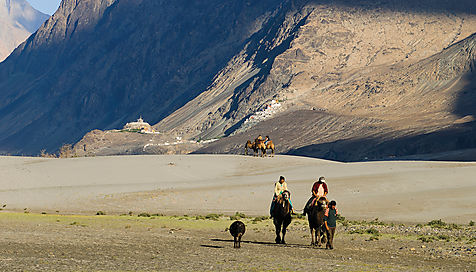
(286, 195)
(322, 202)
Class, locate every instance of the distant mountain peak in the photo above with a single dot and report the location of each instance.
(18, 19)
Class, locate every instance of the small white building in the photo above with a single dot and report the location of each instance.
(139, 125)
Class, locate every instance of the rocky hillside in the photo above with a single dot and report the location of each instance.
(395, 111)
(356, 81)
(100, 63)
(17, 21)
(353, 79)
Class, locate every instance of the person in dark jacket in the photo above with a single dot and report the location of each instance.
(330, 221)
(319, 189)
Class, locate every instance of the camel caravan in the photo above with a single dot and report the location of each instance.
(321, 214)
(260, 144)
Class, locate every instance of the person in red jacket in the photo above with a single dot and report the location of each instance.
(319, 189)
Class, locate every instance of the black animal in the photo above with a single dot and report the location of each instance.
(282, 216)
(315, 217)
(237, 229)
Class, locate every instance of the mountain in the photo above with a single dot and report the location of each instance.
(101, 63)
(416, 108)
(17, 21)
(354, 79)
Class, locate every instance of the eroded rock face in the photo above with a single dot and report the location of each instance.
(17, 21)
(101, 63)
(311, 46)
(422, 110)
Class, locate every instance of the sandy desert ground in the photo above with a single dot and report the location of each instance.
(200, 184)
(172, 213)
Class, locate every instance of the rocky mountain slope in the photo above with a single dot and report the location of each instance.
(100, 63)
(395, 111)
(307, 48)
(354, 79)
(17, 21)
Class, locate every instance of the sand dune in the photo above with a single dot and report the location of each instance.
(199, 184)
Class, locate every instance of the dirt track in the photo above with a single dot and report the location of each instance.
(31, 242)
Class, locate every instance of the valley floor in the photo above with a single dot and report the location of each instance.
(142, 196)
(398, 191)
(35, 242)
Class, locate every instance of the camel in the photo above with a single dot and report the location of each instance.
(269, 145)
(250, 145)
(282, 216)
(262, 145)
(315, 217)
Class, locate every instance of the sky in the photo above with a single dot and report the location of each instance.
(45, 6)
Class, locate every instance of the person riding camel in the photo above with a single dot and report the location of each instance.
(266, 140)
(279, 188)
(259, 139)
(319, 189)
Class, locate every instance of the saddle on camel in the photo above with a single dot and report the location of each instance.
(319, 189)
(264, 145)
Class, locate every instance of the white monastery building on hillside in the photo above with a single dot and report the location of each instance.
(139, 125)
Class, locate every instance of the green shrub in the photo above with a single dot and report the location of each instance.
(471, 223)
(357, 231)
(143, 215)
(100, 213)
(213, 216)
(377, 222)
(452, 226)
(372, 231)
(237, 216)
(77, 224)
(437, 224)
(373, 238)
(444, 237)
(427, 239)
(259, 219)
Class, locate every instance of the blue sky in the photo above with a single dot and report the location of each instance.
(45, 6)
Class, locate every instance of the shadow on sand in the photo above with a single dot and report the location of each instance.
(260, 243)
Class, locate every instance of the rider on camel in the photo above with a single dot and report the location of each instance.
(319, 189)
(279, 188)
(266, 140)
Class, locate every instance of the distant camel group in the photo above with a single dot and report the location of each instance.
(260, 144)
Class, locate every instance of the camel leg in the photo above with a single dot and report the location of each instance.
(246, 151)
(312, 237)
(234, 242)
(284, 234)
(318, 236)
(286, 223)
(278, 232)
(239, 241)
